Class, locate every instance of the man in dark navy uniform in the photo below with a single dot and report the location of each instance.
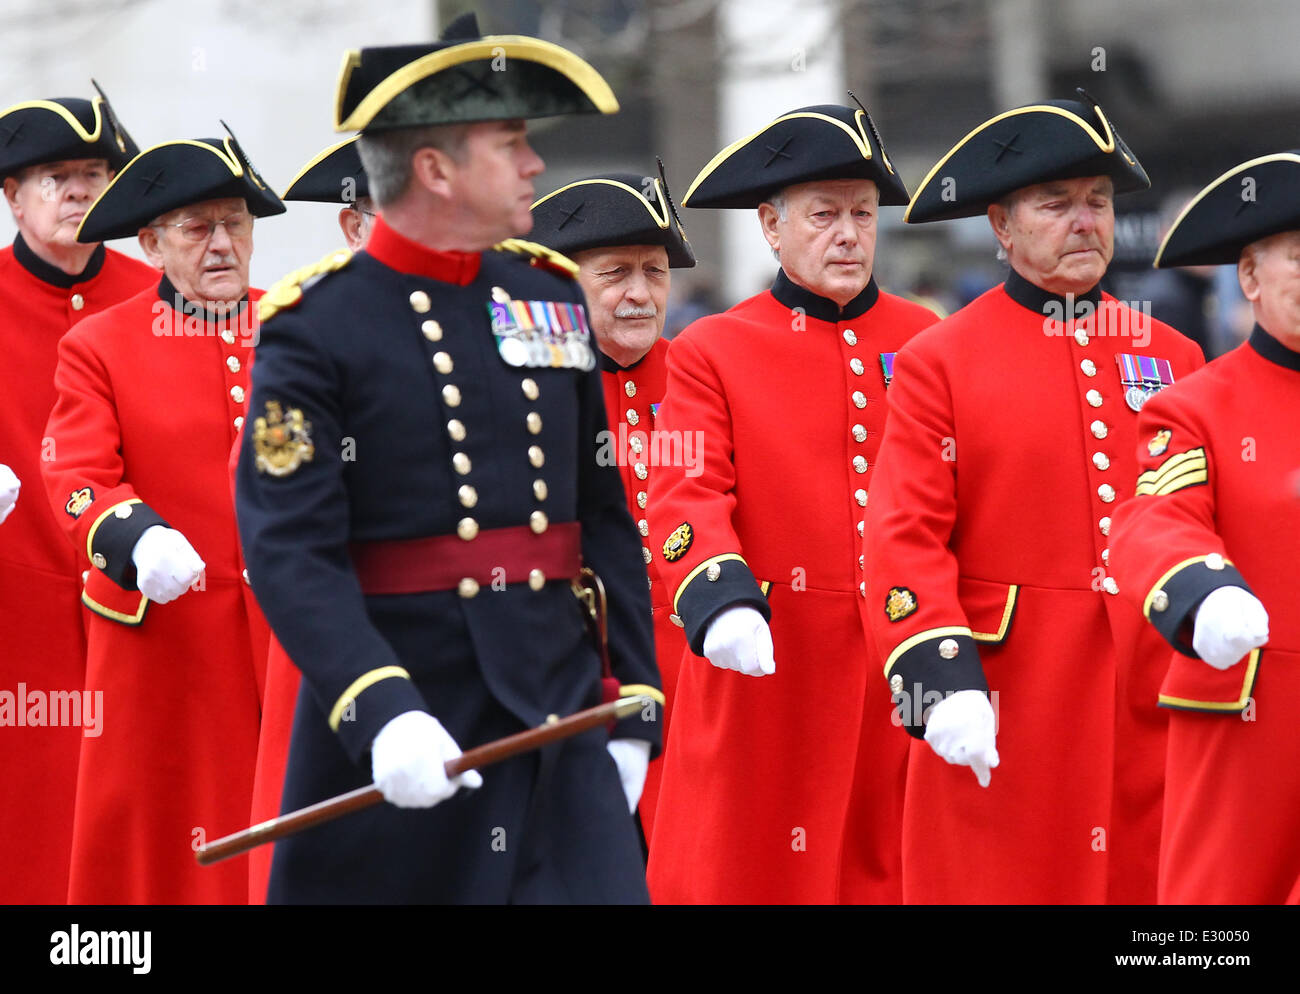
(419, 487)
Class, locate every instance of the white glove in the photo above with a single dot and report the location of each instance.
(739, 639)
(9, 486)
(165, 564)
(632, 757)
(962, 729)
(407, 757)
(1229, 623)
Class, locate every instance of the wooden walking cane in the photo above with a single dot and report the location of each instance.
(553, 730)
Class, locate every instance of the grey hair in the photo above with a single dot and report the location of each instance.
(778, 203)
(386, 156)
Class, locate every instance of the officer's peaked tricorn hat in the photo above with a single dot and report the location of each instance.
(335, 176)
(171, 175)
(37, 131)
(609, 210)
(1249, 202)
(1037, 143)
(464, 78)
(822, 142)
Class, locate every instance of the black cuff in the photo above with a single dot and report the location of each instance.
(929, 671)
(1172, 606)
(116, 534)
(703, 599)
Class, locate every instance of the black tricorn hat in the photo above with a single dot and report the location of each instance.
(37, 131)
(1249, 202)
(822, 142)
(171, 175)
(464, 78)
(608, 210)
(1037, 143)
(335, 176)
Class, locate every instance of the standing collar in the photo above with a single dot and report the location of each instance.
(1273, 350)
(168, 293)
(1040, 301)
(793, 295)
(53, 275)
(396, 251)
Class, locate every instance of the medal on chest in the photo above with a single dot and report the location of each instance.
(542, 334)
(1143, 377)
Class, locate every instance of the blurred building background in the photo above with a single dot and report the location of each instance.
(1194, 86)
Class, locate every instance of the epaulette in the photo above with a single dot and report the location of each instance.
(540, 256)
(287, 291)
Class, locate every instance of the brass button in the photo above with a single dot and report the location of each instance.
(1094, 398)
(640, 470)
(529, 387)
(468, 496)
(432, 330)
(239, 422)
(1109, 585)
(629, 388)
(1081, 336)
(861, 526)
(122, 511)
(896, 684)
(1106, 492)
(1101, 460)
(862, 588)
(536, 579)
(859, 464)
(442, 362)
(1214, 561)
(534, 422)
(1089, 367)
(948, 648)
(536, 457)
(451, 395)
(859, 433)
(636, 444)
(467, 528)
(85, 575)
(1160, 601)
(460, 463)
(849, 337)
(862, 562)
(859, 399)
(1099, 429)
(642, 498)
(861, 497)
(237, 394)
(78, 301)
(420, 302)
(539, 489)
(244, 574)
(456, 429)
(643, 527)
(232, 364)
(537, 522)
(99, 560)
(646, 555)
(467, 587)
(1105, 557)
(500, 295)
(855, 364)
(632, 417)
(1104, 525)
(228, 336)
(713, 573)
(676, 619)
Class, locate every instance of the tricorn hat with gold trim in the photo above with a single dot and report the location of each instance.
(464, 78)
(822, 142)
(37, 131)
(171, 175)
(1249, 202)
(1037, 143)
(335, 176)
(608, 210)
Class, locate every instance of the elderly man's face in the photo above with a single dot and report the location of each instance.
(1060, 235)
(206, 261)
(49, 200)
(827, 240)
(627, 292)
(1269, 273)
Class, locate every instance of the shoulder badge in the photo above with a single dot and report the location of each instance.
(899, 603)
(1160, 442)
(282, 442)
(287, 291)
(678, 542)
(79, 501)
(540, 256)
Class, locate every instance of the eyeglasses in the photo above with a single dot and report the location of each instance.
(196, 230)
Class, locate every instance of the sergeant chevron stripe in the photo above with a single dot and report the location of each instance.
(1187, 469)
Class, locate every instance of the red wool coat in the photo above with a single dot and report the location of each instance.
(782, 399)
(40, 613)
(149, 401)
(1008, 450)
(1219, 505)
(632, 399)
